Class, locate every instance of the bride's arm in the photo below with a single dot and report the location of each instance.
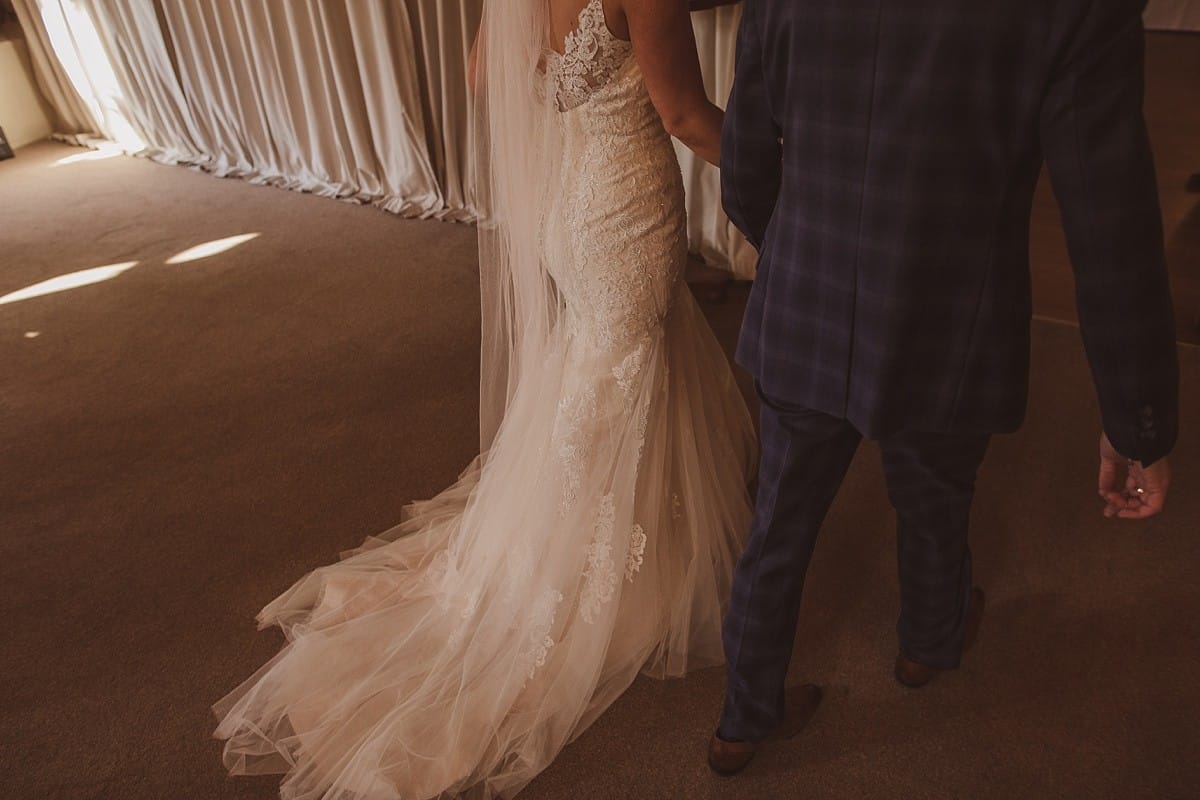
(661, 32)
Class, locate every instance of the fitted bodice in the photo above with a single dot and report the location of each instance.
(597, 84)
(591, 58)
(614, 234)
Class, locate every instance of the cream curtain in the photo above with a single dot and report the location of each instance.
(316, 95)
(71, 114)
(72, 73)
(442, 34)
(358, 99)
(711, 235)
(147, 96)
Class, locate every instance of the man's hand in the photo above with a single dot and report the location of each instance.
(1129, 490)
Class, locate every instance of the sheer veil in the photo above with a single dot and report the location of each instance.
(518, 156)
(595, 536)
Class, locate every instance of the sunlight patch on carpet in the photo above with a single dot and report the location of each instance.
(72, 280)
(100, 154)
(209, 249)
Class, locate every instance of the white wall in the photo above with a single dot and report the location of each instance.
(23, 114)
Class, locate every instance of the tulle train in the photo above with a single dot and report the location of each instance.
(459, 652)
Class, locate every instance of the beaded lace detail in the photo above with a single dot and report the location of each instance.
(600, 577)
(591, 56)
(539, 640)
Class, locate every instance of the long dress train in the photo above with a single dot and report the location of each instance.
(595, 539)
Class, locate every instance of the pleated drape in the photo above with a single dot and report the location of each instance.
(315, 95)
(443, 32)
(358, 99)
(150, 98)
(80, 88)
(710, 233)
(71, 114)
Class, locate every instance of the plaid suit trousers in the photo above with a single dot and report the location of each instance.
(805, 456)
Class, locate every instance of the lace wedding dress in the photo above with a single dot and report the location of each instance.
(595, 539)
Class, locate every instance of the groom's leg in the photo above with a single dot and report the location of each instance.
(805, 455)
(931, 483)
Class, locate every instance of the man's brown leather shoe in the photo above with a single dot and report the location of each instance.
(914, 675)
(730, 758)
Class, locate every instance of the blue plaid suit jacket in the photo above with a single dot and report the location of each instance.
(883, 155)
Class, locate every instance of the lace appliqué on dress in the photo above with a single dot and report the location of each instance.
(540, 641)
(572, 441)
(591, 56)
(629, 372)
(637, 552)
(600, 577)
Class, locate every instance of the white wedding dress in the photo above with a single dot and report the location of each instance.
(458, 653)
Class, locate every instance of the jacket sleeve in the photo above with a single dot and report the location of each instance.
(751, 152)
(1094, 140)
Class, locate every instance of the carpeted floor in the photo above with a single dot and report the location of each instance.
(179, 442)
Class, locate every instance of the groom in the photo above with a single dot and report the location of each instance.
(882, 156)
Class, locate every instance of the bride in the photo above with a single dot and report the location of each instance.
(595, 535)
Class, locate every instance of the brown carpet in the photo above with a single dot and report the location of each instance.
(181, 442)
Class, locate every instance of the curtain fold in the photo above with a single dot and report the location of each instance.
(710, 233)
(391, 122)
(56, 53)
(149, 97)
(314, 95)
(443, 33)
(364, 100)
